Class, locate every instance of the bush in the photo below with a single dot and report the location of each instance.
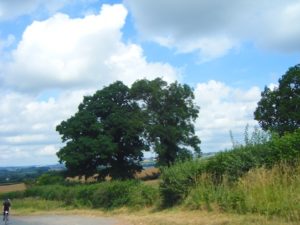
(113, 194)
(50, 178)
(104, 195)
(287, 147)
(238, 161)
(178, 179)
(272, 192)
(241, 159)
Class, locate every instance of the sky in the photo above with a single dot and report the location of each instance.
(54, 52)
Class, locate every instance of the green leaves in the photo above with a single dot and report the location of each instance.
(112, 127)
(170, 113)
(105, 135)
(279, 109)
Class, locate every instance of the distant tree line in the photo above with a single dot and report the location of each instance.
(19, 174)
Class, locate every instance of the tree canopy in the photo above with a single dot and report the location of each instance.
(279, 109)
(114, 126)
(170, 112)
(105, 135)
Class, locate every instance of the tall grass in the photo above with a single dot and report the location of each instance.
(265, 191)
(273, 192)
(179, 179)
(30, 205)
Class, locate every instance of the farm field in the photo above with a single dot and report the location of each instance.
(12, 187)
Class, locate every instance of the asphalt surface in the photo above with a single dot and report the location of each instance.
(60, 220)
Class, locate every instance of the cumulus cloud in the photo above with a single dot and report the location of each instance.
(214, 27)
(27, 125)
(64, 52)
(223, 108)
(56, 63)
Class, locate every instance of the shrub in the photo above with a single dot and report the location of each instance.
(178, 179)
(50, 178)
(143, 195)
(107, 195)
(113, 194)
(287, 147)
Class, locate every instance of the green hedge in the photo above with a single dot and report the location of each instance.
(104, 195)
(180, 178)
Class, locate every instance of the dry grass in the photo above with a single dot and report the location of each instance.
(146, 174)
(182, 217)
(153, 183)
(12, 187)
(168, 217)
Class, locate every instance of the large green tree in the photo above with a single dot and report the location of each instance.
(170, 112)
(105, 136)
(279, 109)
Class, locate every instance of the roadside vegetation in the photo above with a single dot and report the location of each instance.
(257, 182)
(255, 179)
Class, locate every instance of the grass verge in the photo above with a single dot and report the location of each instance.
(148, 216)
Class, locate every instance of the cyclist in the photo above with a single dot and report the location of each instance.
(6, 206)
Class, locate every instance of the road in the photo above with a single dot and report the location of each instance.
(61, 220)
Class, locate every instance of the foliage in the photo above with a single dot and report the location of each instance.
(29, 205)
(106, 195)
(50, 178)
(278, 110)
(260, 149)
(170, 112)
(112, 127)
(105, 135)
(265, 191)
(178, 179)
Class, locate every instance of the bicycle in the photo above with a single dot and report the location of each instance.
(5, 217)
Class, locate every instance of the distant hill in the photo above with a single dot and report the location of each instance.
(16, 174)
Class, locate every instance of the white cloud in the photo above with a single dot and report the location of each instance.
(223, 108)
(25, 156)
(48, 150)
(27, 125)
(214, 27)
(56, 63)
(62, 52)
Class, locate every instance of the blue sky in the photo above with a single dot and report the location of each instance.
(54, 52)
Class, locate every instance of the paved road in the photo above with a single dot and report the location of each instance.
(61, 220)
